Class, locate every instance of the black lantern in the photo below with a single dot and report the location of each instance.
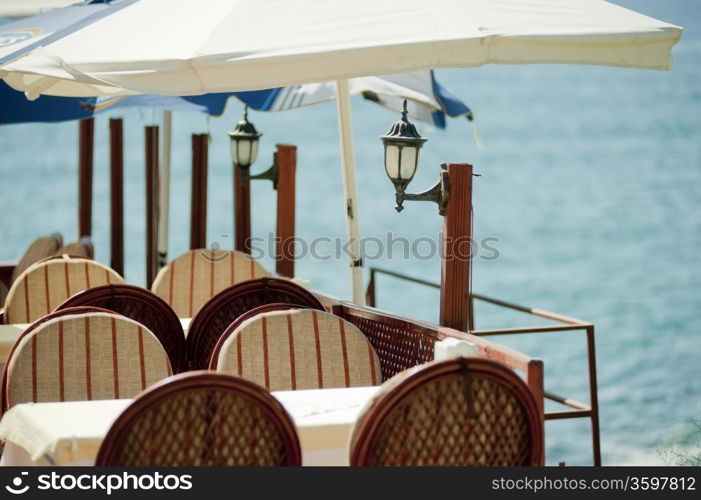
(402, 144)
(244, 142)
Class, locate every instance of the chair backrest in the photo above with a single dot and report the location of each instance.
(299, 349)
(83, 248)
(45, 285)
(39, 249)
(95, 355)
(275, 306)
(456, 412)
(217, 314)
(142, 306)
(202, 419)
(193, 278)
(56, 314)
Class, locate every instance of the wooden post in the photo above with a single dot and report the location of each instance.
(195, 193)
(204, 152)
(116, 195)
(457, 248)
(151, 201)
(242, 211)
(85, 176)
(198, 210)
(285, 226)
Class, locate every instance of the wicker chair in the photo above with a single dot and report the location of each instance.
(193, 278)
(39, 249)
(299, 349)
(82, 248)
(56, 314)
(217, 314)
(75, 357)
(457, 412)
(202, 419)
(48, 283)
(275, 306)
(142, 306)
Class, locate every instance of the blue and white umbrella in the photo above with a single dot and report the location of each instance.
(429, 101)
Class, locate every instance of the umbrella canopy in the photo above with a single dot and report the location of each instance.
(429, 101)
(152, 46)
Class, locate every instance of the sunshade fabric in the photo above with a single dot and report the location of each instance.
(188, 48)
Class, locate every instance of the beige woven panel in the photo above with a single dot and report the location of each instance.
(85, 357)
(300, 349)
(39, 249)
(45, 285)
(193, 278)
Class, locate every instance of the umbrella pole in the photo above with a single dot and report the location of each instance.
(164, 190)
(345, 132)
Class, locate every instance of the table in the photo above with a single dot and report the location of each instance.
(70, 433)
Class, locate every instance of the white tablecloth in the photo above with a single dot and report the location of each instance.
(71, 433)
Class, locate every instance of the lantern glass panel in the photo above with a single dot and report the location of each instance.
(254, 151)
(408, 161)
(243, 152)
(392, 161)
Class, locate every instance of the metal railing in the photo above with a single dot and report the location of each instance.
(576, 409)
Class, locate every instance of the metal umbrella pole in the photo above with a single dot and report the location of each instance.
(345, 132)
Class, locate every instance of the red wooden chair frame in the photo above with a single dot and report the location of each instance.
(199, 381)
(368, 430)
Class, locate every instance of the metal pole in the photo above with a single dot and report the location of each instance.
(345, 132)
(164, 189)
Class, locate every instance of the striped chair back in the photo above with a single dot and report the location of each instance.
(192, 279)
(39, 249)
(142, 306)
(299, 349)
(94, 355)
(46, 284)
(455, 412)
(56, 314)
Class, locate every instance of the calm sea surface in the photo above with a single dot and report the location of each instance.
(591, 183)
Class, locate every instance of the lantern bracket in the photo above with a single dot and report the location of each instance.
(272, 174)
(439, 193)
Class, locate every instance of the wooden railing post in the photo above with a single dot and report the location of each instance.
(116, 196)
(457, 249)
(151, 138)
(242, 210)
(85, 176)
(198, 212)
(285, 227)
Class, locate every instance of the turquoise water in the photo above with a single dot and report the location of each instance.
(591, 181)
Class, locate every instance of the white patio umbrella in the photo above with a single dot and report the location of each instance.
(187, 47)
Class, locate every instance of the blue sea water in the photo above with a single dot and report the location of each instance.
(591, 183)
